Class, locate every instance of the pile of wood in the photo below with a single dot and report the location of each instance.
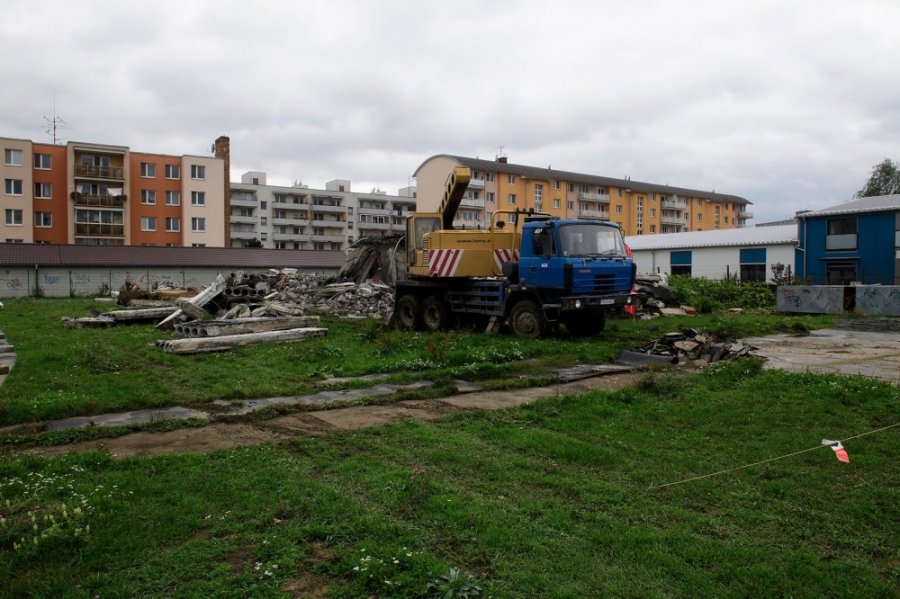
(691, 345)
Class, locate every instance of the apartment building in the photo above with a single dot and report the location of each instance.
(97, 194)
(297, 217)
(639, 208)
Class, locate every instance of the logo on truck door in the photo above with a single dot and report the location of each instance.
(443, 263)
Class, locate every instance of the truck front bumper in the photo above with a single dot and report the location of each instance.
(587, 302)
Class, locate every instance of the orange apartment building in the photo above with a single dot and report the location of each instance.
(638, 208)
(95, 194)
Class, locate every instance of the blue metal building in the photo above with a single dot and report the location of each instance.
(855, 242)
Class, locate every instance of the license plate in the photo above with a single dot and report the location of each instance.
(607, 301)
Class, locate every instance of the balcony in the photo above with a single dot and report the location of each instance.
(374, 211)
(476, 183)
(669, 219)
(337, 238)
(244, 235)
(472, 203)
(250, 220)
(744, 214)
(290, 237)
(674, 204)
(601, 214)
(379, 226)
(276, 205)
(594, 197)
(334, 224)
(98, 201)
(100, 172)
(100, 229)
(331, 209)
(244, 201)
(291, 222)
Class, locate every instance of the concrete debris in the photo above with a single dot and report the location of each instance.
(193, 345)
(378, 259)
(691, 345)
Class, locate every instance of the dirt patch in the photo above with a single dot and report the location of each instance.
(240, 559)
(306, 585)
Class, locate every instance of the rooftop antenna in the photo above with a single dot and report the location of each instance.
(51, 125)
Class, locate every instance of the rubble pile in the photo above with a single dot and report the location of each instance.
(376, 259)
(691, 345)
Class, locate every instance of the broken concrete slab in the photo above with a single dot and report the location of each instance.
(192, 345)
(134, 417)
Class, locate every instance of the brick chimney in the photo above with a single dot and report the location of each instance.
(223, 151)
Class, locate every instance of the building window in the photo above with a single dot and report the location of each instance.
(511, 178)
(173, 224)
(12, 157)
(653, 212)
(13, 216)
(13, 187)
(198, 245)
(571, 205)
(841, 234)
(840, 272)
(753, 264)
(148, 223)
(571, 187)
(699, 217)
(148, 169)
(556, 202)
(490, 197)
(618, 208)
(538, 193)
(148, 196)
(653, 228)
(556, 184)
(680, 262)
(620, 192)
(198, 198)
(264, 220)
(43, 191)
(173, 198)
(489, 176)
(42, 161)
(198, 171)
(198, 224)
(173, 171)
(43, 220)
(263, 236)
(263, 204)
(584, 189)
(512, 199)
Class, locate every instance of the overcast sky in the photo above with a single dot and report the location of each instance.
(788, 104)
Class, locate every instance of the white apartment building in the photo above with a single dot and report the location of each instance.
(297, 217)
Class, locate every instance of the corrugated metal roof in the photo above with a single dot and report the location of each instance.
(550, 174)
(774, 235)
(27, 254)
(871, 204)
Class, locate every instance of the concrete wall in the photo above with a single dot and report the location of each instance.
(90, 281)
(711, 263)
(836, 299)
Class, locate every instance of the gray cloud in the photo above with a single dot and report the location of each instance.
(787, 104)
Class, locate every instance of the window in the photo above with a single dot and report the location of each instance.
(264, 220)
(841, 234)
(198, 245)
(198, 171)
(173, 198)
(12, 157)
(148, 223)
(263, 204)
(753, 264)
(556, 184)
(173, 171)
(42, 161)
(571, 205)
(43, 191)
(13, 217)
(198, 224)
(699, 217)
(43, 220)
(512, 198)
(619, 191)
(653, 212)
(511, 178)
(148, 169)
(618, 208)
(556, 202)
(13, 187)
(584, 189)
(680, 262)
(571, 187)
(263, 236)
(840, 272)
(538, 193)
(653, 228)
(198, 198)
(490, 197)
(148, 196)
(489, 176)
(21, 241)
(280, 245)
(726, 220)
(173, 224)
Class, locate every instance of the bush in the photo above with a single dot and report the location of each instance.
(707, 295)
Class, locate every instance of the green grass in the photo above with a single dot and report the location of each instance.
(63, 372)
(549, 500)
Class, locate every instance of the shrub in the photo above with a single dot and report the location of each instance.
(707, 295)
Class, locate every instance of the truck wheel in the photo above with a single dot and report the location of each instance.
(527, 320)
(435, 313)
(585, 324)
(408, 313)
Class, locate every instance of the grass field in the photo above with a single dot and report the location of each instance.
(549, 500)
(73, 372)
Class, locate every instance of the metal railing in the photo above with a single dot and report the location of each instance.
(100, 229)
(100, 172)
(99, 200)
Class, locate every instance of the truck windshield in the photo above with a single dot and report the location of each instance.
(588, 240)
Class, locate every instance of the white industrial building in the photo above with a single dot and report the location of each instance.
(747, 253)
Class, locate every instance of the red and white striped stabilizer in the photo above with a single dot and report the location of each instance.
(501, 257)
(443, 263)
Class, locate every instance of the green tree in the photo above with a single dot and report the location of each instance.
(254, 243)
(884, 180)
